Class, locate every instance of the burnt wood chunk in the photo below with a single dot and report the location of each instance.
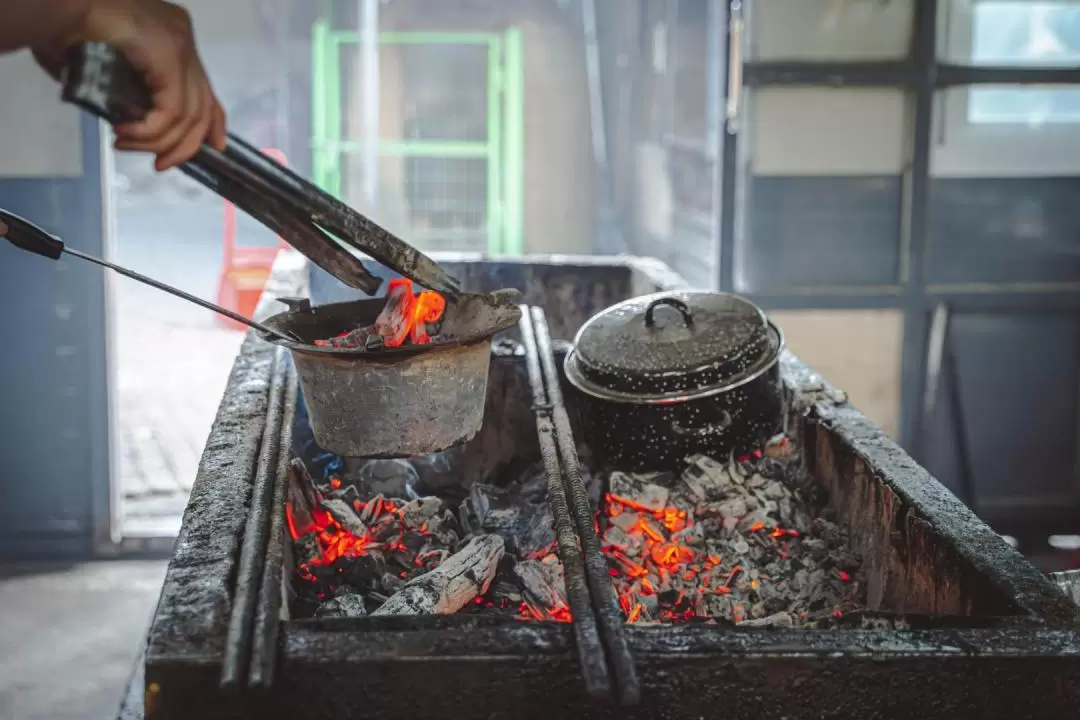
(464, 576)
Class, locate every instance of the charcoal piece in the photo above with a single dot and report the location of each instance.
(391, 582)
(306, 549)
(775, 490)
(362, 572)
(347, 494)
(386, 528)
(780, 620)
(358, 338)
(646, 488)
(543, 582)
(349, 606)
(758, 518)
(345, 517)
(300, 495)
(414, 542)
(526, 528)
(706, 479)
(731, 508)
(373, 510)
(449, 587)
(420, 511)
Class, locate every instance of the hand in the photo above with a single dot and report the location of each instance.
(157, 38)
(3, 229)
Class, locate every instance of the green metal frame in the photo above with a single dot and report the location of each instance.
(503, 150)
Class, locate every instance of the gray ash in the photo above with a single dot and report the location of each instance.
(746, 541)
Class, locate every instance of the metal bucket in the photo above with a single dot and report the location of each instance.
(400, 402)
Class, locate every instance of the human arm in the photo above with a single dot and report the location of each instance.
(156, 38)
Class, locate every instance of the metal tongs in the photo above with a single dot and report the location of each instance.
(100, 80)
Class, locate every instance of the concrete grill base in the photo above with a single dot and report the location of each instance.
(989, 636)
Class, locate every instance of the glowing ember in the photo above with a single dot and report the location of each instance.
(727, 540)
(406, 316)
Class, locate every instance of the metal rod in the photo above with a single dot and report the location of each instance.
(369, 30)
(591, 653)
(256, 532)
(268, 608)
(181, 294)
(612, 624)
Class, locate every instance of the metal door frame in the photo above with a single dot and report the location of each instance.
(503, 150)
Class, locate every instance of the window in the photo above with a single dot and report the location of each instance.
(1025, 33)
(1010, 130)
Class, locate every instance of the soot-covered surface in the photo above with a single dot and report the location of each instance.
(1014, 653)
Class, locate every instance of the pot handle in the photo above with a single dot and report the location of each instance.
(711, 429)
(679, 305)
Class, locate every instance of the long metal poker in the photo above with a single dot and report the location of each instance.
(26, 235)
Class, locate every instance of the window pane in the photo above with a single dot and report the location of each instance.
(827, 30)
(823, 180)
(1026, 33)
(1026, 106)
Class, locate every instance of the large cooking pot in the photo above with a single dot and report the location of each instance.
(668, 375)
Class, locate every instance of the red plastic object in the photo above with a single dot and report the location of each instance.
(245, 270)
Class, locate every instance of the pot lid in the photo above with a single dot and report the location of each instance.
(672, 341)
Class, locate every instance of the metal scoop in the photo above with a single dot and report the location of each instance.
(26, 235)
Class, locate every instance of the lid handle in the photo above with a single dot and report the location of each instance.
(679, 305)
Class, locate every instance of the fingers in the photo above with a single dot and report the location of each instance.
(185, 111)
(217, 134)
(3, 228)
(50, 61)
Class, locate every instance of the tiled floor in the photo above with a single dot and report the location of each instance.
(169, 382)
(69, 636)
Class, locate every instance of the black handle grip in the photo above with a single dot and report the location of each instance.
(100, 80)
(26, 235)
(679, 305)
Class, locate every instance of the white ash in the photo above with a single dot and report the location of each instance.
(737, 540)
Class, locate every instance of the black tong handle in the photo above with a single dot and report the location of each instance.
(99, 80)
(28, 236)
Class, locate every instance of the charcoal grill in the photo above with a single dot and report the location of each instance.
(959, 625)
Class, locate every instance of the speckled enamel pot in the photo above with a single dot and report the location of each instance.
(665, 376)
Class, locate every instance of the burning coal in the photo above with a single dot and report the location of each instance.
(743, 541)
(360, 553)
(407, 317)
(735, 541)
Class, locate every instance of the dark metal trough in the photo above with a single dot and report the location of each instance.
(965, 627)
